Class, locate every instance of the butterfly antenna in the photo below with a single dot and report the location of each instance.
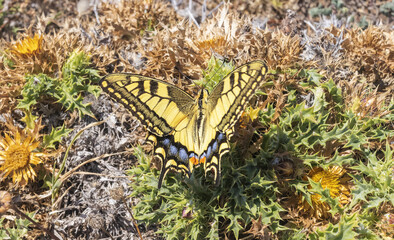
(184, 75)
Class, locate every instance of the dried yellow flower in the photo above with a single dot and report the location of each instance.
(212, 43)
(336, 180)
(28, 45)
(17, 157)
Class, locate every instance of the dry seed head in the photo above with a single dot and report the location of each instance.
(96, 221)
(284, 51)
(127, 20)
(117, 193)
(370, 52)
(186, 49)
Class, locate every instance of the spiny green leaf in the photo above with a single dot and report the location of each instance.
(72, 102)
(213, 231)
(29, 119)
(320, 101)
(36, 87)
(378, 188)
(340, 231)
(69, 91)
(234, 226)
(215, 72)
(19, 231)
(362, 190)
(55, 136)
(311, 75)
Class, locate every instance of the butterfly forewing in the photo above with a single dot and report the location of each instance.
(159, 105)
(230, 96)
(225, 105)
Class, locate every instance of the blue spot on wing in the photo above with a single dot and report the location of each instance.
(215, 146)
(220, 137)
(209, 152)
(166, 142)
(173, 150)
(183, 156)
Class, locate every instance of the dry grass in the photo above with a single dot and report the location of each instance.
(154, 38)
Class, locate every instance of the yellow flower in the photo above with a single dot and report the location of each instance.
(17, 156)
(248, 116)
(336, 180)
(28, 45)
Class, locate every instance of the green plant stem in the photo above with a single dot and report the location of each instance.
(55, 178)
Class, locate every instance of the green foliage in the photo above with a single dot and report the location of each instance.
(50, 140)
(30, 120)
(76, 81)
(318, 11)
(316, 133)
(55, 136)
(246, 193)
(215, 72)
(374, 181)
(340, 231)
(338, 5)
(20, 229)
(321, 132)
(387, 8)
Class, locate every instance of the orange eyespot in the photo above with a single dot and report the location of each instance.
(194, 160)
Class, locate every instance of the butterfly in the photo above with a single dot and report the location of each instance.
(187, 131)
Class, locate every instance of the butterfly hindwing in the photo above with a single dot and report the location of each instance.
(151, 100)
(216, 149)
(172, 155)
(175, 156)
